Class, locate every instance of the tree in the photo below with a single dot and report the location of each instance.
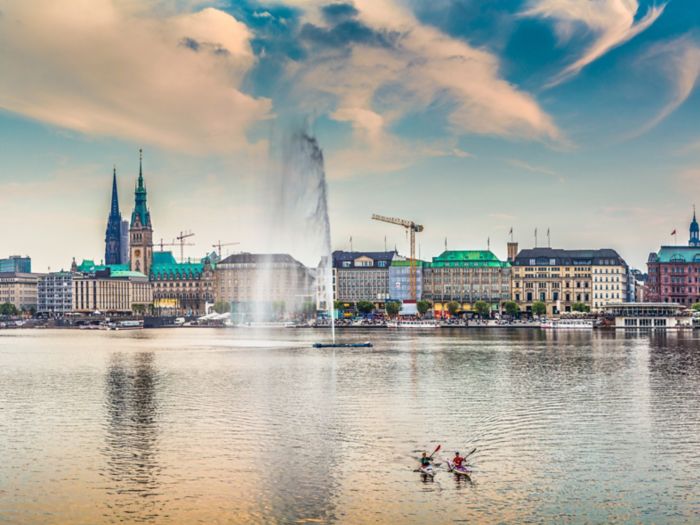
(423, 306)
(512, 309)
(482, 308)
(393, 308)
(8, 309)
(339, 305)
(222, 307)
(453, 307)
(580, 307)
(138, 309)
(696, 307)
(365, 307)
(539, 308)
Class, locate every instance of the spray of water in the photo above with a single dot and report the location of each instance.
(298, 207)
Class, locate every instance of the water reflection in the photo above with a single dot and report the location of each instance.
(131, 444)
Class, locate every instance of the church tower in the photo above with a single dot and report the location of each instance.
(694, 231)
(140, 229)
(113, 254)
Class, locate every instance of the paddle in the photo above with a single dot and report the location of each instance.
(435, 451)
(473, 450)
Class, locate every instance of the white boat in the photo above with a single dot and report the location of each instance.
(413, 323)
(568, 324)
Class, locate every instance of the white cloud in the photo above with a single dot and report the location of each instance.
(611, 21)
(372, 87)
(122, 70)
(679, 60)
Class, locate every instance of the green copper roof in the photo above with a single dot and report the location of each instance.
(402, 262)
(679, 254)
(89, 266)
(140, 198)
(166, 267)
(468, 259)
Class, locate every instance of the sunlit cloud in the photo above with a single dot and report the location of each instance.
(125, 71)
(612, 22)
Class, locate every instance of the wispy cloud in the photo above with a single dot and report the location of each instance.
(612, 22)
(679, 60)
(524, 165)
(124, 71)
(393, 65)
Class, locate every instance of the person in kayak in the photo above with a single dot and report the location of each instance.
(457, 460)
(425, 460)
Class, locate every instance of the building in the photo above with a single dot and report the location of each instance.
(562, 278)
(264, 286)
(113, 235)
(400, 279)
(181, 288)
(19, 289)
(55, 293)
(111, 292)
(16, 264)
(140, 229)
(647, 315)
(674, 272)
(362, 276)
(124, 242)
(465, 277)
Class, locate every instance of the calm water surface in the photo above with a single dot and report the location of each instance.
(241, 426)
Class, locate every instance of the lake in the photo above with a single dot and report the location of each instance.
(245, 426)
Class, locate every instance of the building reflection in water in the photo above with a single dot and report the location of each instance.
(131, 470)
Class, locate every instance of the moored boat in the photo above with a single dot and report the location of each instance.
(567, 324)
(413, 323)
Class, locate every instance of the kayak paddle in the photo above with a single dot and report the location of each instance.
(435, 451)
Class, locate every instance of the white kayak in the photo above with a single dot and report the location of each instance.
(428, 471)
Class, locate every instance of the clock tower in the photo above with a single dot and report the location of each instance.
(140, 229)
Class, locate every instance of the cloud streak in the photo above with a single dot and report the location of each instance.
(127, 72)
(612, 23)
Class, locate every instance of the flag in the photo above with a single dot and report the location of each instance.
(511, 231)
(673, 232)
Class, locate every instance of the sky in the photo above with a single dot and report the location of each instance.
(471, 118)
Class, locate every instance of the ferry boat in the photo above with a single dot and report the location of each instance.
(413, 323)
(136, 324)
(568, 324)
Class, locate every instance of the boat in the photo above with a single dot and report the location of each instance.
(428, 471)
(463, 470)
(135, 324)
(567, 324)
(413, 323)
(366, 344)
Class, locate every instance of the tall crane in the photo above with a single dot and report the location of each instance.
(181, 239)
(220, 244)
(411, 228)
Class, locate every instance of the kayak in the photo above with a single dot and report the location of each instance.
(343, 345)
(459, 471)
(427, 471)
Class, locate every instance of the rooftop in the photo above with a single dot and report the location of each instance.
(554, 256)
(468, 259)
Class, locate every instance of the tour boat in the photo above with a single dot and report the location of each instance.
(413, 323)
(568, 324)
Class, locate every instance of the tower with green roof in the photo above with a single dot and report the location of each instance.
(140, 229)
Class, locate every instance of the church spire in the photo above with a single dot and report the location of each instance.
(694, 231)
(140, 183)
(115, 194)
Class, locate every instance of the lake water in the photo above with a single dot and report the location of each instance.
(245, 426)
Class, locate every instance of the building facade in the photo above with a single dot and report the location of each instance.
(400, 279)
(674, 272)
(113, 234)
(362, 276)
(16, 264)
(466, 276)
(19, 289)
(181, 288)
(264, 286)
(562, 278)
(55, 293)
(108, 292)
(140, 229)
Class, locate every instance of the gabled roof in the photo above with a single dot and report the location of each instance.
(340, 256)
(165, 267)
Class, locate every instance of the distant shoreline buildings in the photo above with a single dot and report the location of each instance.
(135, 277)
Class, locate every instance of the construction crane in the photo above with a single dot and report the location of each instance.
(220, 244)
(411, 228)
(161, 244)
(181, 239)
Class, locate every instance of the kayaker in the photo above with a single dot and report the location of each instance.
(457, 460)
(425, 460)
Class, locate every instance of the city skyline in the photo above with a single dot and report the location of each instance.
(524, 114)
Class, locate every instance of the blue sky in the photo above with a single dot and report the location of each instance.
(469, 117)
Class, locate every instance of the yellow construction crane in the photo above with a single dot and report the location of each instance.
(220, 244)
(411, 228)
